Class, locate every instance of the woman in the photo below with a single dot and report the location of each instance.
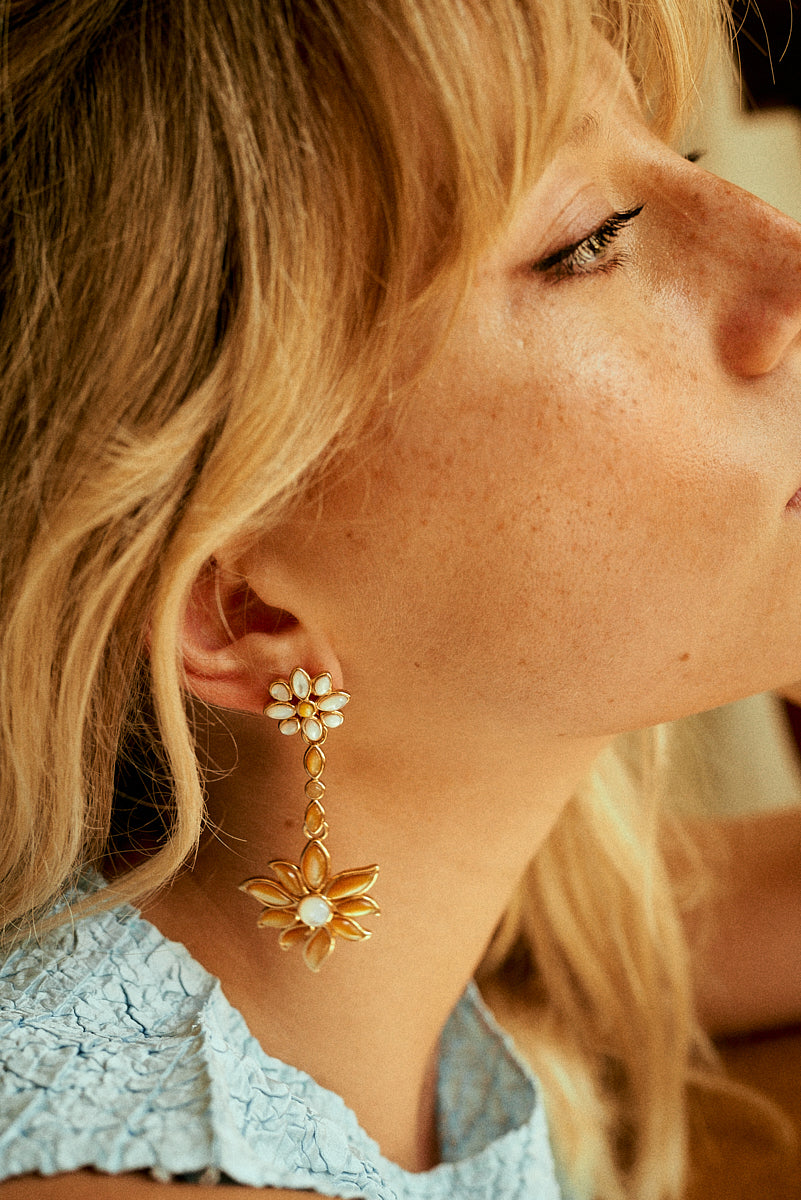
(382, 351)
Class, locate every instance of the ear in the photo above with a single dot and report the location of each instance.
(235, 643)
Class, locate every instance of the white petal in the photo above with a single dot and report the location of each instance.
(313, 729)
(301, 684)
(332, 720)
(280, 690)
(322, 685)
(279, 712)
(333, 702)
(289, 727)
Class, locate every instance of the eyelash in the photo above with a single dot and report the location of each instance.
(589, 253)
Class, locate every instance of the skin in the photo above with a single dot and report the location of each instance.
(581, 522)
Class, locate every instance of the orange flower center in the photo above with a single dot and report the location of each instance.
(305, 709)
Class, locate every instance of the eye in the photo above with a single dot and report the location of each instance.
(589, 254)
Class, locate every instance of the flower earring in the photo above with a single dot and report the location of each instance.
(310, 906)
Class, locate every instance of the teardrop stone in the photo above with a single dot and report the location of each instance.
(314, 761)
(276, 918)
(352, 883)
(280, 690)
(334, 702)
(318, 948)
(314, 865)
(301, 684)
(296, 935)
(314, 821)
(322, 684)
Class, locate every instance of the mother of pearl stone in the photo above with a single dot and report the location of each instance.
(314, 911)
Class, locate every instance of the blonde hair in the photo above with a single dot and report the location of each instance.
(620, 1049)
(219, 222)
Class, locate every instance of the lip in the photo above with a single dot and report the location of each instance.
(794, 503)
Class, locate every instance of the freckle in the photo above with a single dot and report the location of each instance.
(684, 657)
(289, 823)
(417, 666)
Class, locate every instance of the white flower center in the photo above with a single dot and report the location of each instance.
(314, 911)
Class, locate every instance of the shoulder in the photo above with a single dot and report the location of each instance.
(92, 1025)
(119, 1052)
(88, 1185)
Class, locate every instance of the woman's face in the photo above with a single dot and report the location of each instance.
(585, 518)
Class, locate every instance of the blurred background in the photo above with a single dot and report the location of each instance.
(744, 756)
(750, 126)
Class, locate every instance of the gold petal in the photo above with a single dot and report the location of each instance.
(277, 918)
(301, 683)
(267, 892)
(280, 690)
(294, 936)
(314, 761)
(351, 883)
(350, 930)
(318, 947)
(359, 906)
(322, 685)
(314, 863)
(279, 712)
(288, 876)
(333, 702)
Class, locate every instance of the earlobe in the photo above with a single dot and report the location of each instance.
(234, 643)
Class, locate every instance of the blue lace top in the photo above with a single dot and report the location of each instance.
(120, 1052)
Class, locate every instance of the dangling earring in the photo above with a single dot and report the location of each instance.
(310, 906)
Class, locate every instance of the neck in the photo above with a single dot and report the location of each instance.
(367, 1026)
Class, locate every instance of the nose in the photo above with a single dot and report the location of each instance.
(759, 282)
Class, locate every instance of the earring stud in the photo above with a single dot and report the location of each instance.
(305, 901)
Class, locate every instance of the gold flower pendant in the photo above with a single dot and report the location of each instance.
(306, 902)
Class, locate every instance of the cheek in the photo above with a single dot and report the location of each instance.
(573, 530)
(584, 533)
